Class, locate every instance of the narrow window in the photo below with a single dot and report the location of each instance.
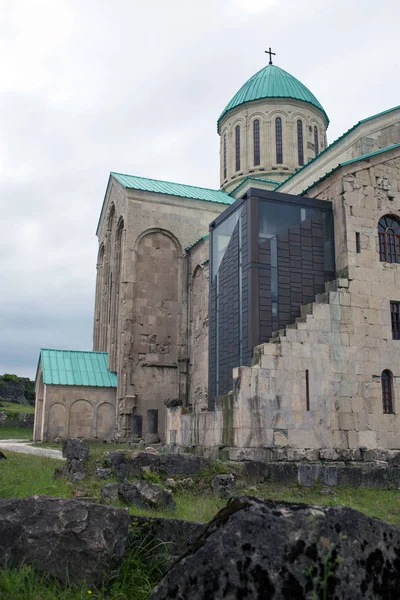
(237, 144)
(389, 239)
(225, 156)
(316, 145)
(278, 135)
(358, 244)
(395, 318)
(300, 150)
(256, 141)
(307, 390)
(387, 391)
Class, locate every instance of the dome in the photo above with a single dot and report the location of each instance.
(271, 82)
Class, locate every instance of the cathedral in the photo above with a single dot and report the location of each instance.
(265, 313)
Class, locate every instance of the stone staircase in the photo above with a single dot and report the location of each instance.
(308, 311)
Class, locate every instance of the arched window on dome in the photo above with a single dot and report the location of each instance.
(389, 239)
(278, 140)
(316, 145)
(237, 147)
(224, 150)
(300, 148)
(256, 141)
(387, 391)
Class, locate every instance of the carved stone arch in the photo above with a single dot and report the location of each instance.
(81, 415)
(56, 421)
(110, 216)
(105, 421)
(278, 112)
(158, 334)
(98, 305)
(117, 266)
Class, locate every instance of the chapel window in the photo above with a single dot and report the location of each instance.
(224, 156)
(278, 136)
(387, 391)
(256, 141)
(395, 319)
(237, 147)
(300, 150)
(316, 145)
(389, 239)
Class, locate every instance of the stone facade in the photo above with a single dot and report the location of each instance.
(318, 382)
(143, 313)
(64, 411)
(266, 111)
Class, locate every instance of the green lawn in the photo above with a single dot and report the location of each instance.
(13, 407)
(16, 433)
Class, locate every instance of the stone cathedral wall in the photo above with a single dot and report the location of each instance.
(318, 382)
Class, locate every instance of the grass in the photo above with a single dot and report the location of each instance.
(14, 407)
(23, 475)
(134, 580)
(16, 433)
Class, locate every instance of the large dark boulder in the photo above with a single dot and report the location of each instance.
(262, 549)
(75, 449)
(169, 464)
(145, 495)
(72, 540)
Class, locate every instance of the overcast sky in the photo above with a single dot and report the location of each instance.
(93, 86)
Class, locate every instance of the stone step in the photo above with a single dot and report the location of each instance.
(306, 309)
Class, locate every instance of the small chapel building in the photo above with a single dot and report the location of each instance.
(268, 310)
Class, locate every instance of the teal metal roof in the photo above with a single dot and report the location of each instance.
(389, 110)
(172, 189)
(349, 162)
(203, 237)
(271, 82)
(73, 367)
(250, 178)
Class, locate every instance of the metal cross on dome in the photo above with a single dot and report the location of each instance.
(270, 55)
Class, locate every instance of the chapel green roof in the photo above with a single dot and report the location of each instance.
(271, 82)
(172, 189)
(74, 367)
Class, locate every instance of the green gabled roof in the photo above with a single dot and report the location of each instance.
(172, 189)
(251, 178)
(349, 162)
(334, 143)
(271, 82)
(74, 367)
(203, 237)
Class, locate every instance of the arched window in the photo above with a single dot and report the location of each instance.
(278, 137)
(237, 147)
(224, 155)
(389, 239)
(387, 391)
(256, 141)
(316, 145)
(300, 150)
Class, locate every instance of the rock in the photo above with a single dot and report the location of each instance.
(173, 402)
(257, 548)
(75, 448)
(69, 539)
(76, 469)
(186, 482)
(2, 455)
(145, 495)
(109, 493)
(171, 483)
(150, 450)
(102, 473)
(169, 464)
(255, 471)
(118, 463)
(223, 486)
(151, 438)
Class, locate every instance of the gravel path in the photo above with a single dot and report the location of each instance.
(26, 448)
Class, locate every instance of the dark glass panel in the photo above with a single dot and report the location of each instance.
(256, 141)
(316, 145)
(225, 156)
(278, 135)
(395, 318)
(237, 146)
(389, 239)
(387, 392)
(300, 149)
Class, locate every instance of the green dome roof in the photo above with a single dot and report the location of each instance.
(271, 82)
